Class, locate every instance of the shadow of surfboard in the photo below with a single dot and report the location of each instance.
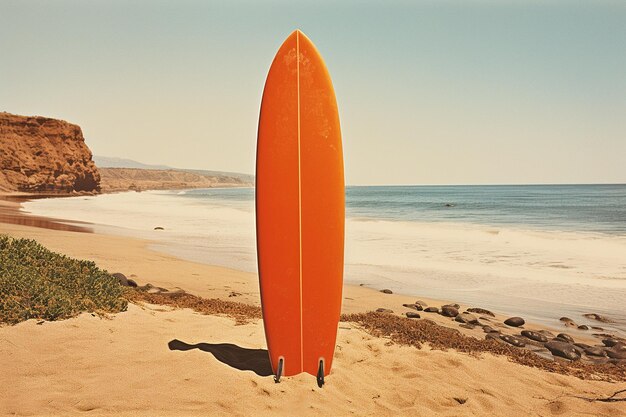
(243, 359)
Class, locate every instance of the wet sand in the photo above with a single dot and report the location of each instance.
(11, 213)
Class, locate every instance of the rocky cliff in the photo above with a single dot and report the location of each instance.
(39, 154)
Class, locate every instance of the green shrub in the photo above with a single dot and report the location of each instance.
(40, 284)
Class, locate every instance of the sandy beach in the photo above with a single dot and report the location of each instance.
(159, 360)
(384, 209)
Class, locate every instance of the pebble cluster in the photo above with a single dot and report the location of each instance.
(609, 349)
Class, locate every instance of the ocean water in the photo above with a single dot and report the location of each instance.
(541, 251)
(579, 208)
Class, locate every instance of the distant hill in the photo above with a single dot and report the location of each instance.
(114, 162)
(247, 178)
(125, 179)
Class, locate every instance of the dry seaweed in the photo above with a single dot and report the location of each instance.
(242, 313)
(417, 332)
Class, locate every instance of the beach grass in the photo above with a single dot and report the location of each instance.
(36, 283)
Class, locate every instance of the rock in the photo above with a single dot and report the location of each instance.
(386, 291)
(616, 352)
(466, 318)
(493, 336)
(537, 337)
(151, 289)
(546, 333)
(412, 315)
(515, 341)
(384, 310)
(489, 329)
(595, 351)
(121, 278)
(449, 311)
(478, 310)
(566, 320)
(158, 228)
(562, 350)
(131, 283)
(178, 291)
(415, 307)
(39, 154)
(514, 321)
(601, 360)
(431, 310)
(609, 342)
(540, 351)
(452, 305)
(579, 350)
(583, 327)
(421, 303)
(594, 316)
(565, 337)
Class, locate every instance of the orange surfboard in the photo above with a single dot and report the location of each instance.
(300, 211)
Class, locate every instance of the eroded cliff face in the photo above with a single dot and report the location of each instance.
(39, 154)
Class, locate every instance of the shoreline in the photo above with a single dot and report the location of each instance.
(14, 216)
(537, 275)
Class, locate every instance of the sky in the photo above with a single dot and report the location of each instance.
(429, 92)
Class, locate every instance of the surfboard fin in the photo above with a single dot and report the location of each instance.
(320, 374)
(279, 371)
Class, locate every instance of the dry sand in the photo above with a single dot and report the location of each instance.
(152, 360)
(155, 361)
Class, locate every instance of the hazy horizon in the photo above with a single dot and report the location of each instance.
(429, 93)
